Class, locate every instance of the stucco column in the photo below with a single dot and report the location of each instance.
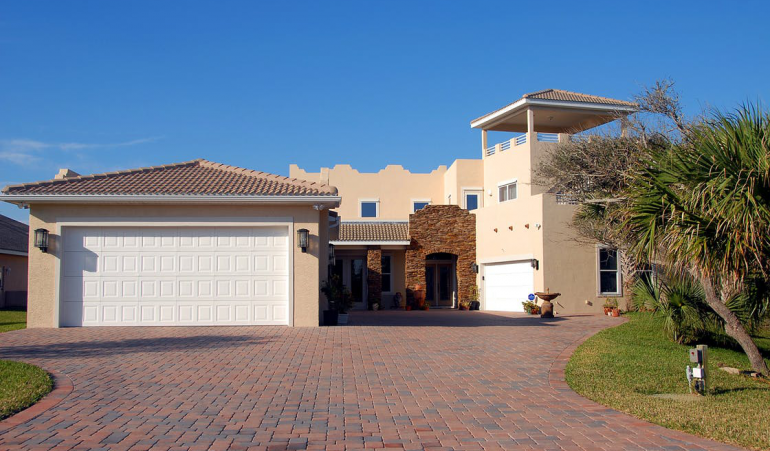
(483, 143)
(374, 277)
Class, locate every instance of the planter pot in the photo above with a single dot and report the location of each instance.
(615, 312)
(375, 306)
(607, 310)
(408, 308)
(342, 318)
(330, 317)
(462, 307)
(475, 305)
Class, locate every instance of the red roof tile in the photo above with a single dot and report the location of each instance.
(197, 177)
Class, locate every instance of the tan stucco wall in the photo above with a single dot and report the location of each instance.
(306, 271)
(463, 174)
(570, 263)
(394, 186)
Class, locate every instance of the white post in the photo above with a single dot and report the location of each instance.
(531, 125)
(483, 143)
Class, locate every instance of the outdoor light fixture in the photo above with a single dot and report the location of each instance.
(535, 264)
(331, 254)
(303, 239)
(41, 239)
(475, 267)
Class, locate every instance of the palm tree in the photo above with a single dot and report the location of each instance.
(703, 206)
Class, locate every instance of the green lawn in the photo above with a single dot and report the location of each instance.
(21, 385)
(12, 320)
(621, 367)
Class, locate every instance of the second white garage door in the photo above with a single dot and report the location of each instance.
(145, 276)
(507, 285)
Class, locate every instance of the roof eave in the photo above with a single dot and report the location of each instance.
(520, 104)
(369, 243)
(326, 200)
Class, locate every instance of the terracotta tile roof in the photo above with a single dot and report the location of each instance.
(14, 235)
(560, 95)
(197, 177)
(569, 96)
(374, 231)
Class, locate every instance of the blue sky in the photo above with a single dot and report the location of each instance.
(97, 86)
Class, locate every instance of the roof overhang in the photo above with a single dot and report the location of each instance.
(25, 199)
(571, 117)
(12, 252)
(369, 243)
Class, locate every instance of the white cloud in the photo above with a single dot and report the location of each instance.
(25, 152)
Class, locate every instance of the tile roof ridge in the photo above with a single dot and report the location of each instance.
(564, 91)
(101, 175)
(266, 175)
(542, 91)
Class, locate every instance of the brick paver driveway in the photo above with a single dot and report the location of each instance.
(412, 380)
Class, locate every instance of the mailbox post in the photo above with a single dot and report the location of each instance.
(699, 356)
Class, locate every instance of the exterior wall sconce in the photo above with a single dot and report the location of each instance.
(331, 254)
(41, 239)
(303, 238)
(475, 267)
(536, 264)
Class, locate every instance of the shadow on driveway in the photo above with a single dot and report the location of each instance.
(447, 318)
(101, 348)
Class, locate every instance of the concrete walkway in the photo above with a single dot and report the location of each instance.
(401, 380)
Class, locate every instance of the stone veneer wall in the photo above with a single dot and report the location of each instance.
(446, 229)
(374, 278)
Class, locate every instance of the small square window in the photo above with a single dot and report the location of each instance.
(507, 192)
(369, 209)
(419, 205)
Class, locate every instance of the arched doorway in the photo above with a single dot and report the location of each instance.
(440, 279)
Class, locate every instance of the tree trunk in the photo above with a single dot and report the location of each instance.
(733, 327)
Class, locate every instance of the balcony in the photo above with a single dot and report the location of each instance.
(519, 140)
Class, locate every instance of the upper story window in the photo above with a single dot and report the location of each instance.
(472, 199)
(369, 208)
(507, 191)
(609, 271)
(419, 205)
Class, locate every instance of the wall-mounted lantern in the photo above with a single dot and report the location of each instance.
(331, 254)
(303, 237)
(41, 239)
(475, 267)
(535, 264)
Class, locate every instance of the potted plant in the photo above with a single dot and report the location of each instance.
(473, 299)
(616, 312)
(419, 296)
(465, 305)
(340, 301)
(609, 306)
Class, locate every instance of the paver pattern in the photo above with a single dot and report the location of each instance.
(400, 380)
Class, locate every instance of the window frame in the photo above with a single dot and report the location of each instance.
(507, 184)
(478, 192)
(617, 270)
(361, 203)
(383, 273)
(414, 201)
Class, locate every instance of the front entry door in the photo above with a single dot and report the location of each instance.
(439, 284)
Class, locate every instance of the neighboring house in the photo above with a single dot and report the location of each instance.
(14, 239)
(195, 243)
(400, 230)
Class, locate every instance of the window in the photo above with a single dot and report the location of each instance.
(419, 205)
(370, 208)
(507, 192)
(472, 199)
(386, 288)
(647, 273)
(609, 271)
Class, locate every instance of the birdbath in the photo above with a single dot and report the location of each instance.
(546, 310)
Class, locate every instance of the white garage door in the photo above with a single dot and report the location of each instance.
(507, 285)
(156, 276)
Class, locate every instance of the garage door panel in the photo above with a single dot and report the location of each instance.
(507, 285)
(176, 275)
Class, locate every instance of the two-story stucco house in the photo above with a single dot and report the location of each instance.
(478, 222)
(202, 243)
